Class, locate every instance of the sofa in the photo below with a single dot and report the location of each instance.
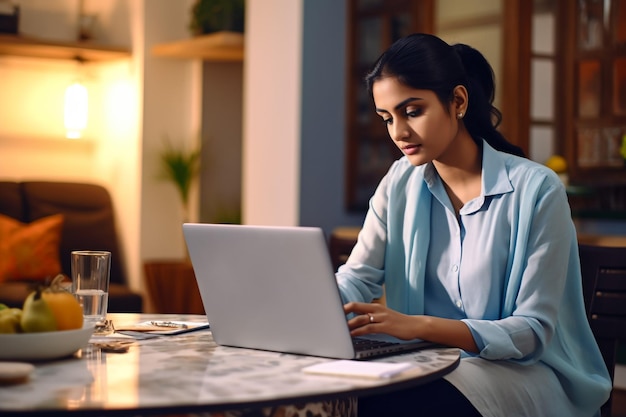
(42, 222)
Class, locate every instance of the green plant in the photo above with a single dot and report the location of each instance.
(623, 148)
(180, 166)
(209, 16)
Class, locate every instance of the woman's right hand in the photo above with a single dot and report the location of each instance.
(376, 318)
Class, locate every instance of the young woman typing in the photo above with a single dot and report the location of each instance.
(475, 247)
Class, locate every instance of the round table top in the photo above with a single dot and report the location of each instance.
(190, 373)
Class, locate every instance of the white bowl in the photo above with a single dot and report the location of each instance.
(43, 345)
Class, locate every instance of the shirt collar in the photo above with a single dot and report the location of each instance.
(494, 174)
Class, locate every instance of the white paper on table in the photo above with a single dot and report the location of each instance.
(162, 328)
(362, 369)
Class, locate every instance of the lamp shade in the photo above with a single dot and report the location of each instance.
(76, 109)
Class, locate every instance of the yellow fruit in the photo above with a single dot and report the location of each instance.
(10, 320)
(557, 163)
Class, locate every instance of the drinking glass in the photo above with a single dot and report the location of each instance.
(90, 283)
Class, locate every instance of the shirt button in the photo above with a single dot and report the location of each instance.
(455, 268)
(459, 303)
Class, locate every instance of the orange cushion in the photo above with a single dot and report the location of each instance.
(30, 251)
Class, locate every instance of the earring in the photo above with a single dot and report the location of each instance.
(459, 115)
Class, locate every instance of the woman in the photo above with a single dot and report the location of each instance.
(475, 247)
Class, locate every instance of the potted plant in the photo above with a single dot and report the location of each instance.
(209, 16)
(180, 166)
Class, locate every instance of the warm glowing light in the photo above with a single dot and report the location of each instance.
(76, 105)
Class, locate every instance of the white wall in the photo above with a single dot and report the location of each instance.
(271, 130)
(171, 109)
(294, 114)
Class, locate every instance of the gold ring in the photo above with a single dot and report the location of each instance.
(371, 317)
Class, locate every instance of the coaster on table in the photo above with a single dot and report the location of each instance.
(15, 372)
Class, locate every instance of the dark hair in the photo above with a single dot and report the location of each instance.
(425, 62)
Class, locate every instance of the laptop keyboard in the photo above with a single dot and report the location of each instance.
(368, 344)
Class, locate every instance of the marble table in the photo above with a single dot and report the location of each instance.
(189, 373)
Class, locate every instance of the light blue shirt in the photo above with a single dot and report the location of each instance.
(508, 266)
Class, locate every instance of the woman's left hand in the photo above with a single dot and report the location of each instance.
(376, 318)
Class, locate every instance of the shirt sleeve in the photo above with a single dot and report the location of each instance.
(525, 334)
(361, 277)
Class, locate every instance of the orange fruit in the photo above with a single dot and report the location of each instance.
(65, 307)
(557, 163)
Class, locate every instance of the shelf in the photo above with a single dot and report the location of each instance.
(215, 47)
(26, 46)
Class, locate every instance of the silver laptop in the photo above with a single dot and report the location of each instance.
(273, 288)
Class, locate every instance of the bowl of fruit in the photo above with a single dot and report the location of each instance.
(48, 326)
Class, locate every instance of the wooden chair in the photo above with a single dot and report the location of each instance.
(341, 242)
(172, 287)
(604, 290)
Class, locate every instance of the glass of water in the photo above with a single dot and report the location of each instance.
(90, 284)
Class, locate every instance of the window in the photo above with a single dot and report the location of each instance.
(374, 25)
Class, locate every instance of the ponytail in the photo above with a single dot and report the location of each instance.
(482, 117)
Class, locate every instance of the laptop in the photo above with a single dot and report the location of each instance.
(274, 288)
